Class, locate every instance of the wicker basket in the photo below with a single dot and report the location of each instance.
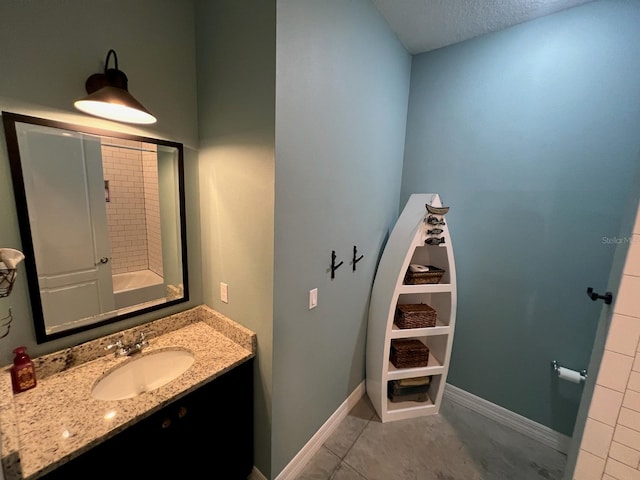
(415, 315)
(409, 353)
(434, 275)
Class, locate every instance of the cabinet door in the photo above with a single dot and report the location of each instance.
(207, 434)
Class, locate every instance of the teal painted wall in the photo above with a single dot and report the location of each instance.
(236, 117)
(342, 81)
(531, 136)
(48, 51)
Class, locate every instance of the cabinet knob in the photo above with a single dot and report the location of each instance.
(182, 411)
(166, 423)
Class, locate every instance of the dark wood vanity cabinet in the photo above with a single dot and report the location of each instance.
(207, 434)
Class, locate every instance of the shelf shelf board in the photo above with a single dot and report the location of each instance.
(434, 368)
(408, 405)
(404, 410)
(426, 288)
(439, 329)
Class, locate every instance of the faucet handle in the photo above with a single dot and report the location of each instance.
(118, 344)
(143, 338)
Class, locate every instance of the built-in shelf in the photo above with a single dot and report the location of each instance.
(406, 245)
(398, 406)
(434, 368)
(437, 288)
(439, 329)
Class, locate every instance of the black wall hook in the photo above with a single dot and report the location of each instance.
(355, 260)
(334, 267)
(607, 297)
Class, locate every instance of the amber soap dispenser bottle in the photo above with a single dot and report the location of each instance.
(23, 374)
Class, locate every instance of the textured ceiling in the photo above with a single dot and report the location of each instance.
(423, 25)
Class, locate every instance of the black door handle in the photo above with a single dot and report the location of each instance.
(607, 297)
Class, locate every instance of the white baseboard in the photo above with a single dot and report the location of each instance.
(298, 462)
(256, 475)
(531, 429)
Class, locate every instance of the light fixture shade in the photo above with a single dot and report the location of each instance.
(115, 104)
(109, 97)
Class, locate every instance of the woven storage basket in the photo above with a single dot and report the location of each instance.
(409, 353)
(434, 275)
(415, 315)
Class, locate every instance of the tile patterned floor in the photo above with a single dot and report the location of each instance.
(457, 444)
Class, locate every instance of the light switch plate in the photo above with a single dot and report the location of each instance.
(313, 298)
(224, 292)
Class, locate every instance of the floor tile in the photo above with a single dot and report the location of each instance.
(350, 428)
(424, 448)
(457, 444)
(345, 472)
(321, 466)
(502, 452)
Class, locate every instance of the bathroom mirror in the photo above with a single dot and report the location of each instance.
(102, 223)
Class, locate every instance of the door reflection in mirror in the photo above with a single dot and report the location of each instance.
(103, 215)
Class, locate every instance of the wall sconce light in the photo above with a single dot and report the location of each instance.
(109, 98)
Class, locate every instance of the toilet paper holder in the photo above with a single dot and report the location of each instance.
(556, 368)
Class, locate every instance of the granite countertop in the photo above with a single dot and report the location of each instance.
(58, 420)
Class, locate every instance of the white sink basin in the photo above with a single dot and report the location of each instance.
(142, 374)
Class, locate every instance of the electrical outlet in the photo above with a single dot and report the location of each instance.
(313, 298)
(224, 292)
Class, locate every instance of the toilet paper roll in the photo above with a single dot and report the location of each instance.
(569, 375)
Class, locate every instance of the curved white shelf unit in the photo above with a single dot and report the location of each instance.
(406, 245)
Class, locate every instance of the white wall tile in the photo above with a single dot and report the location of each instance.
(605, 405)
(620, 471)
(627, 436)
(636, 363)
(624, 334)
(632, 263)
(624, 454)
(628, 301)
(631, 400)
(588, 467)
(614, 370)
(596, 438)
(634, 382)
(629, 418)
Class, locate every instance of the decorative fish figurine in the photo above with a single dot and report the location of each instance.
(431, 220)
(435, 231)
(434, 241)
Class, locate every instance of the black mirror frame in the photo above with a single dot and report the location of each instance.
(9, 120)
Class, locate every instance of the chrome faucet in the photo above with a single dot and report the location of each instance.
(122, 350)
(138, 345)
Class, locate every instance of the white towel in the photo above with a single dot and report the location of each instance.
(11, 257)
(415, 268)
